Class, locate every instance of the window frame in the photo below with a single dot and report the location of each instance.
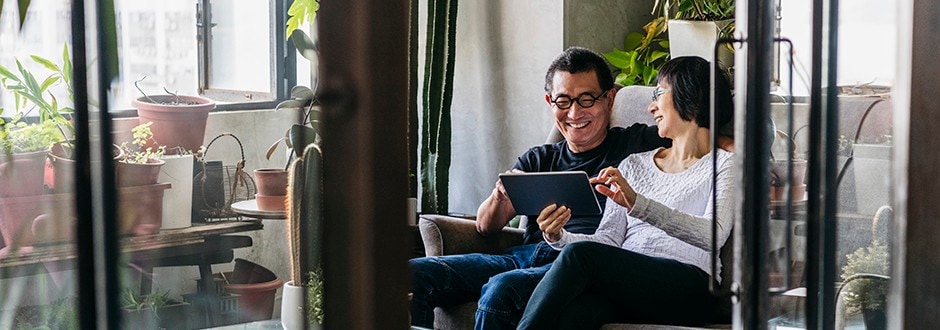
(283, 64)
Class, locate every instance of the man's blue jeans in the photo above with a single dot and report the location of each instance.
(501, 284)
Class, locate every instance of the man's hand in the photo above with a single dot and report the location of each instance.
(496, 211)
(619, 191)
(552, 220)
(499, 193)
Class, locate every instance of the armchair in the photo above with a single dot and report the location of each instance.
(444, 235)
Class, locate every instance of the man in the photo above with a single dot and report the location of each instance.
(580, 92)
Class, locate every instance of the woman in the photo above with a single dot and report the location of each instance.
(649, 260)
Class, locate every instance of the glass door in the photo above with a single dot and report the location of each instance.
(814, 231)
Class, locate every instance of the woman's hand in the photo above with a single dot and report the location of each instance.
(619, 190)
(552, 220)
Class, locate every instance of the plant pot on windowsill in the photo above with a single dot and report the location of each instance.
(178, 121)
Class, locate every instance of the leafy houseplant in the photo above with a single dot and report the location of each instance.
(642, 55)
(298, 136)
(59, 314)
(865, 274)
(687, 21)
(141, 162)
(154, 310)
(866, 293)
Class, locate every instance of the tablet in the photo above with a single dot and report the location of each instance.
(532, 192)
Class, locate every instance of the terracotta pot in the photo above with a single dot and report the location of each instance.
(255, 286)
(271, 181)
(130, 175)
(140, 211)
(778, 174)
(778, 171)
(798, 192)
(62, 161)
(180, 125)
(22, 174)
(47, 218)
(271, 203)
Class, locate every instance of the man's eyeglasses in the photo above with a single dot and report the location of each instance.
(659, 91)
(585, 101)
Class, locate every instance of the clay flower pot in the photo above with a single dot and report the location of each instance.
(130, 175)
(61, 157)
(22, 174)
(778, 174)
(272, 189)
(175, 125)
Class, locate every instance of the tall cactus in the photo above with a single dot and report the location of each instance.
(438, 94)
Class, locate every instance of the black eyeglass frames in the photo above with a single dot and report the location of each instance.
(587, 100)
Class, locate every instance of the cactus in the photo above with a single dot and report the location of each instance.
(438, 94)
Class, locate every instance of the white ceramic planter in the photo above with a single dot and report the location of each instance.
(697, 38)
(872, 164)
(178, 200)
(292, 308)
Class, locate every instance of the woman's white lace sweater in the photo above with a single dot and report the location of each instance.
(672, 215)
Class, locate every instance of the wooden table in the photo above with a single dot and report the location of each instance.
(169, 247)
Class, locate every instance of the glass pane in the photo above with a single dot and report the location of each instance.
(241, 48)
(157, 43)
(37, 278)
(863, 159)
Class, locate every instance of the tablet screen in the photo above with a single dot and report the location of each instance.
(532, 192)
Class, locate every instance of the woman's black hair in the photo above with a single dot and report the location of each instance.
(688, 77)
(578, 60)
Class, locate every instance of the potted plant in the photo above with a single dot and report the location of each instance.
(141, 162)
(22, 142)
(865, 284)
(642, 55)
(303, 303)
(694, 26)
(58, 314)
(272, 182)
(155, 310)
(179, 122)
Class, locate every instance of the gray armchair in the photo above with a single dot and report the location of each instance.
(443, 235)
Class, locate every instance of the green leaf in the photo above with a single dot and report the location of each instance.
(45, 62)
(304, 44)
(623, 79)
(49, 82)
(299, 12)
(7, 74)
(23, 5)
(632, 41)
(657, 55)
(66, 65)
(618, 58)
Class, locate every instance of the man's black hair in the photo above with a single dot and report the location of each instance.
(578, 60)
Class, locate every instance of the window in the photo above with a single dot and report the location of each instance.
(235, 52)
